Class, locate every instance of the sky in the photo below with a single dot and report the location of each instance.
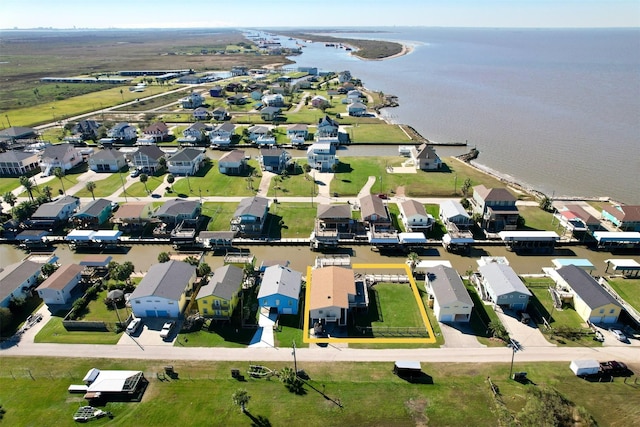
(317, 13)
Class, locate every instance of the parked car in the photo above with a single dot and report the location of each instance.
(133, 326)
(166, 330)
(613, 367)
(619, 335)
(383, 196)
(134, 173)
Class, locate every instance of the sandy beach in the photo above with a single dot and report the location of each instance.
(406, 49)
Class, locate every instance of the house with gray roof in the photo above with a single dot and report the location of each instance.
(163, 290)
(186, 161)
(17, 280)
(374, 211)
(94, 213)
(280, 289)
(233, 163)
(452, 212)
(17, 163)
(425, 158)
(222, 134)
(590, 300)
(107, 160)
(451, 301)
(194, 134)
(122, 131)
(250, 216)
(173, 212)
(86, 129)
(274, 159)
(147, 157)
(14, 134)
(502, 286)
(51, 214)
(219, 297)
(63, 156)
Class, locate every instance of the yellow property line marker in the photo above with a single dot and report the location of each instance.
(423, 312)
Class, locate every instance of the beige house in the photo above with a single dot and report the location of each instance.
(333, 289)
(58, 287)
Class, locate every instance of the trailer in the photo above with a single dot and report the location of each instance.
(584, 368)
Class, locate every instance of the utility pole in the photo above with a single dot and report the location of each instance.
(124, 191)
(295, 362)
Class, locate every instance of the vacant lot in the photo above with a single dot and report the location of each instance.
(628, 289)
(459, 395)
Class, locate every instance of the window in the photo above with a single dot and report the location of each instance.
(291, 303)
(601, 310)
(612, 311)
(523, 296)
(137, 301)
(205, 311)
(216, 303)
(277, 302)
(320, 311)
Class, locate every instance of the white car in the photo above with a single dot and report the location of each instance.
(619, 335)
(166, 330)
(133, 326)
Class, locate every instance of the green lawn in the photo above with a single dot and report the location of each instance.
(8, 184)
(379, 133)
(216, 335)
(481, 316)
(353, 173)
(138, 189)
(628, 289)
(105, 187)
(210, 182)
(68, 181)
(459, 395)
(537, 219)
(293, 185)
(54, 332)
(220, 214)
(291, 220)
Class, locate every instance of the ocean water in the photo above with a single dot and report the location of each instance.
(557, 110)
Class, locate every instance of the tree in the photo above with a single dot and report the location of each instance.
(162, 163)
(163, 257)
(546, 204)
(192, 260)
(23, 210)
(59, 173)
(412, 259)
(203, 269)
(241, 398)
(143, 179)
(48, 269)
(5, 317)
(170, 180)
(466, 186)
(498, 330)
(47, 191)
(28, 185)
(10, 198)
(91, 187)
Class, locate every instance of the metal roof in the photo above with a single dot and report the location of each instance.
(586, 287)
(447, 286)
(280, 280)
(167, 280)
(502, 279)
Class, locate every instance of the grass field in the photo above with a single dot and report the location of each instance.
(537, 219)
(68, 181)
(8, 184)
(296, 184)
(628, 289)
(290, 220)
(368, 392)
(210, 182)
(138, 189)
(220, 214)
(54, 332)
(105, 187)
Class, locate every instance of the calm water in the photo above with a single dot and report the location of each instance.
(558, 110)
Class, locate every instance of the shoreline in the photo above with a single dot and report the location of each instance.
(406, 50)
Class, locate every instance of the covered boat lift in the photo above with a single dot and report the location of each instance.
(626, 267)
(90, 239)
(457, 243)
(536, 242)
(582, 263)
(613, 240)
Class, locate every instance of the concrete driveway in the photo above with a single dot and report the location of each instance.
(149, 334)
(527, 335)
(459, 335)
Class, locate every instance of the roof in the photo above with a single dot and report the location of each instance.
(134, 210)
(258, 129)
(627, 213)
(509, 236)
(425, 151)
(52, 209)
(331, 286)
(357, 106)
(198, 126)
(452, 208)
(447, 286)
(151, 151)
(94, 208)
(586, 287)
(224, 283)
(61, 277)
(96, 260)
(502, 279)
(370, 205)
(15, 275)
(115, 381)
(232, 156)
(186, 155)
(252, 206)
(281, 281)
(298, 126)
(412, 207)
(156, 127)
(227, 127)
(16, 132)
(108, 154)
(167, 280)
(579, 212)
(177, 207)
(494, 194)
(623, 264)
(272, 152)
(334, 211)
(617, 236)
(15, 156)
(57, 151)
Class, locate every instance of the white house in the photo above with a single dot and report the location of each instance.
(63, 156)
(333, 291)
(15, 163)
(233, 163)
(273, 100)
(52, 213)
(108, 160)
(186, 161)
(58, 287)
(357, 109)
(451, 301)
(425, 158)
(163, 290)
(221, 135)
(147, 157)
(452, 212)
(502, 286)
(322, 156)
(123, 132)
(298, 133)
(16, 281)
(192, 101)
(415, 216)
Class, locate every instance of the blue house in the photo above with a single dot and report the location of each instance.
(280, 289)
(94, 213)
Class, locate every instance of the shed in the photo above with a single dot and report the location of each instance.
(407, 368)
(585, 367)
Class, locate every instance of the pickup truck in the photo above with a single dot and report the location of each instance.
(166, 330)
(613, 367)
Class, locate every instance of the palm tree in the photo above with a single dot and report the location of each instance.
(59, 173)
(47, 190)
(91, 187)
(241, 398)
(28, 185)
(9, 198)
(143, 179)
(170, 180)
(413, 259)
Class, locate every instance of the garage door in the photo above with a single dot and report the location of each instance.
(163, 313)
(446, 318)
(610, 319)
(517, 306)
(287, 310)
(151, 313)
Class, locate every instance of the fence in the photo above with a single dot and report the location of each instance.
(393, 332)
